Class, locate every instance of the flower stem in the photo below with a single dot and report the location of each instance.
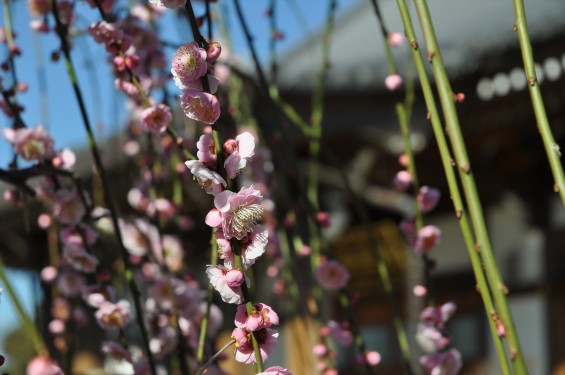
(136, 294)
(483, 245)
(551, 148)
(213, 358)
(210, 291)
(28, 325)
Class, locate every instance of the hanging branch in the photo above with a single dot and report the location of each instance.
(483, 245)
(552, 149)
(455, 193)
(61, 31)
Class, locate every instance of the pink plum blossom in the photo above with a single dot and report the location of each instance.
(111, 316)
(38, 8)
(339, 332)
(171, 253)
(116, 351)
(444, 363)
(213, 51)
(240, 151)
(266, 338)
(431, 339)
(200, 106)
(275, 370)
(221, 278)
(68, 207)
(206, 150)
(428, 238)
(170, 293)
(43, 365)
(210, 181)
(236, 213)
(189, 62)
(70, 283)
(79, 259)
(428, 198)
(332, 275)
(164, 342)
(262, 316)
(320, 350)
(402, 180)
(64, 159)
(74, 235)
(252, 247)
(31, 143)
(156, 119)
(393, 82)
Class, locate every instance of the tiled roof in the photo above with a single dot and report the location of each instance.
(468, 33)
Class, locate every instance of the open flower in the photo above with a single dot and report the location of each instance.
(43, 365)
(252, 247)
(275, 370)
(236, 213)
(428, 198)
(262, 316)
(156, 119)
(210, 181)
(227, 282)
(79, 259)
(240, 150)
(200, 106)
(428, 238)
(31, 143)
(332, 275)
(189, 62)
(206, 150)
(110, 315)
(266, 338)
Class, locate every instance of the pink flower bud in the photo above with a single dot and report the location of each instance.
(395, 39)
(213, 51)
(403, 180)
(393, 82)
(428, 238)
(234, 278)
(373, 358)
(320, 350)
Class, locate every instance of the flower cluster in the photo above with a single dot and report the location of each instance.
(192, 70)
(434, 339)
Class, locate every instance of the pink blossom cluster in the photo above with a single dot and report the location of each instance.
(257, 321)
(192, 70)
(434, 339)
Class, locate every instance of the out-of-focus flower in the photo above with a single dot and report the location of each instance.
(31, 143)
(444, 363)
(395, 39)
(43, 365)
(428, 198)
(393, 82)
(156, 119)
(428, 238)
(111, 316)
(332, 275)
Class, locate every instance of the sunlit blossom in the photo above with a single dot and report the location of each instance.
(236, 213)
(200, 106)
(189, 62)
